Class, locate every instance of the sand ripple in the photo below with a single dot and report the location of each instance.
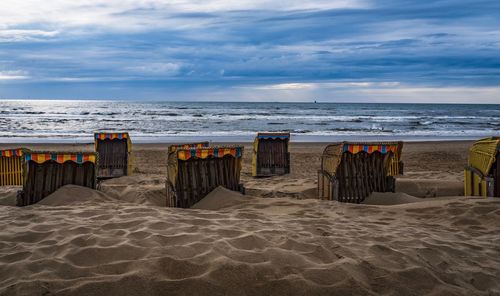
(275, 246)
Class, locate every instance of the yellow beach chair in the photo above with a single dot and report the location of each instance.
(45, 172)
(195, 172)
(11, 167)
(350, 172)
(482, 173)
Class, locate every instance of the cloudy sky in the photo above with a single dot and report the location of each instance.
(260, 50)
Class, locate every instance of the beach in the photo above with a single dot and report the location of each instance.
(253, 148)
(278, 239)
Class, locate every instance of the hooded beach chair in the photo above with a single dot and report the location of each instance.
(270, 154)
(195, 172)
(482, 173)
(350, 172)
(114, 154)
(11, 167)
(45, 172)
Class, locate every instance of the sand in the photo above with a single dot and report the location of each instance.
(123, 241)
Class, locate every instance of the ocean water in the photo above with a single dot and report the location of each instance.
(75, 121)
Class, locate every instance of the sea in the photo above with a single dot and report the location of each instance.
(70, 121)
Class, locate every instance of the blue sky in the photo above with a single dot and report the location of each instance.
(349, 51)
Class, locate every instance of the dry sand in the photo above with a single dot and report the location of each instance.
(122, 241)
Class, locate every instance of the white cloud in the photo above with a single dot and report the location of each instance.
(383, 92)
(25, 35)
(287, 86)
(324, 85)
(469, 95)
(139, 14)
(157, 68)
(13, 75)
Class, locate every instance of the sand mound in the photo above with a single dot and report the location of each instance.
(139, 189)
(430, 187)
(74, 195)
(8, 195)
(389, 198)
(220, 198)
(313, 248)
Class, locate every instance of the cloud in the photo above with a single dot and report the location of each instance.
(13, 75)
(143, 14)
(25, 35)
(335, 50)
(287, 86)
(168, 69)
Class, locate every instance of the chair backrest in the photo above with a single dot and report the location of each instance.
(270, 154)
(482, 173)
(352, 171)
(114, 154)
(45, 172)
(195, 172)
(11, 167)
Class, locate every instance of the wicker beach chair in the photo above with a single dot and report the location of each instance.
(482, 173)
(350, 172)
(270, 154)
(45, 172)
(115, 158)
(11, 167)
(195, 172)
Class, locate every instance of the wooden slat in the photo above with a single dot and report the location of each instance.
(198, 177)
(496, 177)
(44, 179)
(113, 157)
(272, 157)
(358, 175)
(10, 171)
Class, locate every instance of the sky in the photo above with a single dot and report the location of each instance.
(445, 51)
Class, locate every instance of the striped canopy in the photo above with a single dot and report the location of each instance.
(101, 136)
(185, 154)
(110, 136)
(282, 136)
(61, 157)
(370, 148)
(332, 155)
(11, 152)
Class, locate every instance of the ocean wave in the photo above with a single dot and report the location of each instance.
(72, 119)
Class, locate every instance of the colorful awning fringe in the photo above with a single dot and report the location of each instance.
(111, 136)
(282, 136)
(185, 154)
(355, 148)
(11, 152)
(61, 157)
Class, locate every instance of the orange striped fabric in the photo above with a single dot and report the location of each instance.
(61, 157)
(185, 154)
(11, 152)
(111, 136)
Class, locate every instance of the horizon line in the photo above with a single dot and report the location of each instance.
(243, 101)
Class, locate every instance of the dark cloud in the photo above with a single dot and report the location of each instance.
(417, 43)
